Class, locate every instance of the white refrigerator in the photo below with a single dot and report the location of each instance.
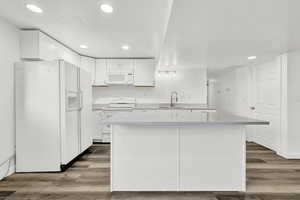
(53, 111)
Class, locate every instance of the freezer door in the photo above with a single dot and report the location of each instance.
(37, 106)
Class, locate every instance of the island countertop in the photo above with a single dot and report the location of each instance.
(180, 118)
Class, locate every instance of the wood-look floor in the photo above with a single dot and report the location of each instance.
(269, 177)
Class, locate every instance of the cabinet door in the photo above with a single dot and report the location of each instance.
(39, 46)
(144, 159)
(89, 64)
(144, 73)
(100, 72)
(66, 54)
(120, 65)
(71, 77)
(47, 47)
(36, 45)
(212, 158)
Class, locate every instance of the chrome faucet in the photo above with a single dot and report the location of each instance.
(172, 98)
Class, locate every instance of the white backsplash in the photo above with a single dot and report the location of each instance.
(191, 85)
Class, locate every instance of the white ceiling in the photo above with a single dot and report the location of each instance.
(199, 33)
(138, 23)
(223, 33)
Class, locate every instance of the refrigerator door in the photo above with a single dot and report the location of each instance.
(70, 111)
(71, 84)
(72, 148)
(37, 103)
(87, 118)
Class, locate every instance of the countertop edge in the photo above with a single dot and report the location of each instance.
(184, 123)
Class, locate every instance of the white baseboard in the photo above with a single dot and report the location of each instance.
(290, 155)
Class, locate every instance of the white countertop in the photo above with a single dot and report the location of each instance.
(180, 118)
(156, 106)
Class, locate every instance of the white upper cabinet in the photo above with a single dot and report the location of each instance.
(89, 65)
(144, 73)
(120, 71)
(100, 72)
(71, 77)
(139, 72)
(120, 65)
(36, 45)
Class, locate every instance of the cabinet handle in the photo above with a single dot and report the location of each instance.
(252, 108)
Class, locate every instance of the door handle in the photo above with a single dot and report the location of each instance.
(252, 108)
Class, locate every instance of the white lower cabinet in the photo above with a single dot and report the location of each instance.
(103, 133)
(199, 162)
(187, 158)
(154, 150)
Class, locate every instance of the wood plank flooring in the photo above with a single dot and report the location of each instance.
(269, 177)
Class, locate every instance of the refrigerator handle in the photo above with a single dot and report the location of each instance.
(80, 100)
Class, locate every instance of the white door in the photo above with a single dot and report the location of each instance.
(268, 94)
(86, 118)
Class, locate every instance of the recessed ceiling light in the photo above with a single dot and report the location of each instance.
(251, 57)
(84, 46)
(125, 47)
(34, 8)
(106, 8)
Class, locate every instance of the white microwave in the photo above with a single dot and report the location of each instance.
(120, 78)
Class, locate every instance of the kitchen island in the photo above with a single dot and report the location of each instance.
(178, 151)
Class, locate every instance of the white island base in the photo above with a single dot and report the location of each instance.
(178, 158)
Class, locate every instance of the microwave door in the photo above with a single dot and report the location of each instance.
(116, 78)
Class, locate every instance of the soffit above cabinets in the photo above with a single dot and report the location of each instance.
(141, 24)
(218, 34)
(211, 34)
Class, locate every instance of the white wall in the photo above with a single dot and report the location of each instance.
(191, 85)
(272, 88)
(212, 93)
(9, 53)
